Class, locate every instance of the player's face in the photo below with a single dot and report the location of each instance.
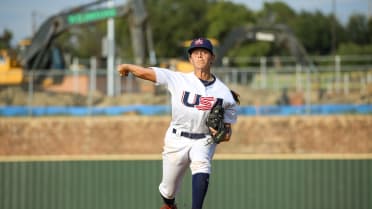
(201, 59)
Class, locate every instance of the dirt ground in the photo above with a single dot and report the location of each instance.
(132, 134)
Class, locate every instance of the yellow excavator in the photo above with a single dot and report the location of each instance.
(11, 71)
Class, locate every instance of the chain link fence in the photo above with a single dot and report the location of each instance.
(259, 81)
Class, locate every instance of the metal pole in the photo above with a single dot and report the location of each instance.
(110, 52)
(234, 76)
(298, 78)
(75, 70)
(338, 73)
(118, 78)
(308, 90)
(244, 77)
(92, 83)
(346, 84)
(263, 72)
(30, 92)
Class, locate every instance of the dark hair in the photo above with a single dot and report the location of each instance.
(236, 96)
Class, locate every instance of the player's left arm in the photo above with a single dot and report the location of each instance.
(230, 117)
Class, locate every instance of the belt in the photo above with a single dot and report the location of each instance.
(189, 135)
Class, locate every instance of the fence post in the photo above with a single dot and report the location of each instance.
(263, 72)
(75, 68)
(234, 76)
(298, 78)
(110, 52)
(30, 92)
(92, 83)
(362, 85)
(338, 73)
(308, 90)
(244, 77)
(346, 84)
(369, 78)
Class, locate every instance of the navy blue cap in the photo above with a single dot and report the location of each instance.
(201, 43)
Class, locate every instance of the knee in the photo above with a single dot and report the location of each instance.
(200, 167)
(167, 191)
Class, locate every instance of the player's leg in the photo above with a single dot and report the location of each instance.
(175, 164)
(200, 183)
(201, 157)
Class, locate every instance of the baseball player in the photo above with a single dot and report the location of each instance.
(189, 142)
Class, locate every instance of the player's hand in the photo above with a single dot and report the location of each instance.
(122, 70)
(212, 131)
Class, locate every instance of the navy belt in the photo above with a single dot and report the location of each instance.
(190, 135)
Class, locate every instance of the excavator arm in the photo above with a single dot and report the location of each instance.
(39, 53)
(36, 54)
(278, 33)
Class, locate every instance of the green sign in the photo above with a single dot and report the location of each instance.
(91, 16)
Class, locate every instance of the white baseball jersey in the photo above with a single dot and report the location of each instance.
(192, 101)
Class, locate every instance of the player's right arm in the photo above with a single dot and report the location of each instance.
(138, 71)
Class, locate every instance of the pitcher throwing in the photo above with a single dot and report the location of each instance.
(203, 109)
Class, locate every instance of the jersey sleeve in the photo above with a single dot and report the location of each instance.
(230, 113)
(163, 76)
(166, 77)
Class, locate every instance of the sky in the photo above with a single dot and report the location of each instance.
(16, 15)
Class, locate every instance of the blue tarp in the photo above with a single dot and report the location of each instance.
(83, 111)
(328, 109)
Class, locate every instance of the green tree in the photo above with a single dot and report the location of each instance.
(173, 22)
(271, 14)
(223, 16)
(123, 45)
(314, 30)
(357, 29)
(276, 12)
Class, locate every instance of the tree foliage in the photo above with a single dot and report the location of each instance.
(315, 32)
(223, 16)
(276, 12)
(357, 29)
(173, 22)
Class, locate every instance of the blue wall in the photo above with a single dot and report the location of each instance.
(163, 109)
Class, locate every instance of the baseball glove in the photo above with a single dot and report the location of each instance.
(215, 121)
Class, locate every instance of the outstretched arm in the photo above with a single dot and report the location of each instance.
(138, 71)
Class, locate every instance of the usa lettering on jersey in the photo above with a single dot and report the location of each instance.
(200, 102)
